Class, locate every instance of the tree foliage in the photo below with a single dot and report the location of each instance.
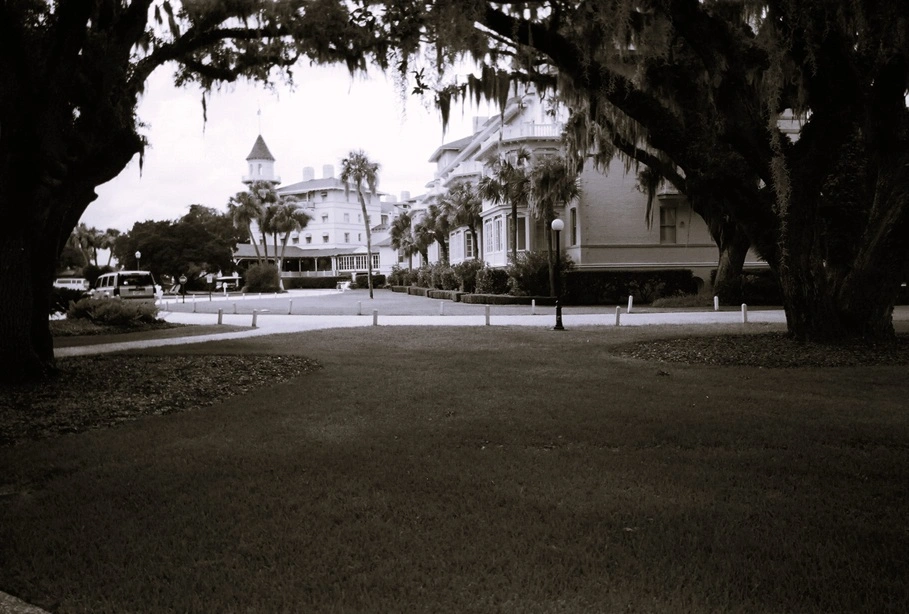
(200, 242)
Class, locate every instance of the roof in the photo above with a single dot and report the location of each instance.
(260, 151)
(452, 146)
(246, 250)
(311, 185)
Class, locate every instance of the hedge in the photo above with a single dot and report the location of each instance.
(614, 287)
(417, 291)
(505, 299)
(312, 283)
(450, 295)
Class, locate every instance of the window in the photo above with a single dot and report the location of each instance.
(468, 245)
(309, 238)
(360, 236)
(325, 238)
(347, 218)
(359, 219)
(384, 219)
(487, 233)
(260, 170)
(347, 237)
(667, 224)
(324, 218)
(522, 233)
(497, 234)
(573, 221)
(457, 248)
(295, 240)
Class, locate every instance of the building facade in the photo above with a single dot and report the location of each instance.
(333, 243)
(606, 228)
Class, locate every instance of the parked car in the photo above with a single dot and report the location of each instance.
(228, 282)
(72, 283)
(126, 285)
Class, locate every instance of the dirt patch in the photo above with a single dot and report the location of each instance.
(767, 350)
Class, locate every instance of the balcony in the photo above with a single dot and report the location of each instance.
(523, 132)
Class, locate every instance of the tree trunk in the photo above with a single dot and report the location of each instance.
(514, 232)
(727, 284)
(27, 349)
(368, 240)
(476, 244)
(839, 284)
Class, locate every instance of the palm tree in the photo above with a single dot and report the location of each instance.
(358, 169)
(107, 242)
(402, 237)
(285, 217)
(465, 207)
(423, 236)
(552, 184)
(265, 194)
(438, 219)
(508, 182)
(244, 208)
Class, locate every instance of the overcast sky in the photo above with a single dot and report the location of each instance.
(326, 115)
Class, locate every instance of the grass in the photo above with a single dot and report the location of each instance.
(477, 470)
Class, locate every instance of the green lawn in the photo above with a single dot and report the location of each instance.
(478, 470)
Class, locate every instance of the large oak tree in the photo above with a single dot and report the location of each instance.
(71, 74)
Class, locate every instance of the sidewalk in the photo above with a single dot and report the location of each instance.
(268, 323)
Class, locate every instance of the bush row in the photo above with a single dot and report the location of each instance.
(529, 276)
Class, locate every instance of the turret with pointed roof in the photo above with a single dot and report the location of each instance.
(261, 164)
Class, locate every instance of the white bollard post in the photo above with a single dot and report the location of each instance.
(375, 317)
(533, 307)
(630, 302)
(744, 313)
(487, 315)
(359, 308)
(220, 316)
(235, 309)
(260, 295)
(441, 308)
(716, 303)
(290, 306)
(194, 306)
(618, 315)
(255, 313)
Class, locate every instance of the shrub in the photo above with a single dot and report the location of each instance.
(409, 277)
(529, 276)
(62, 297)
(424, 276)
(360, 281)
(467, 274)
(115, 312)
(262, 278)
(444, 277)
(396, 277)
(492, 281)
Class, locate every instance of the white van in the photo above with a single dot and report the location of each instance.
(126, 285)
(72, 283)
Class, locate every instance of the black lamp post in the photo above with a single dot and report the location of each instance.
(138, 260)
(557, 226)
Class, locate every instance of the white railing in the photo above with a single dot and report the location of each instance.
(527, 131)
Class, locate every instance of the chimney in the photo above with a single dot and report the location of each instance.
(328, 171)
(309, 173)
(405, 196)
